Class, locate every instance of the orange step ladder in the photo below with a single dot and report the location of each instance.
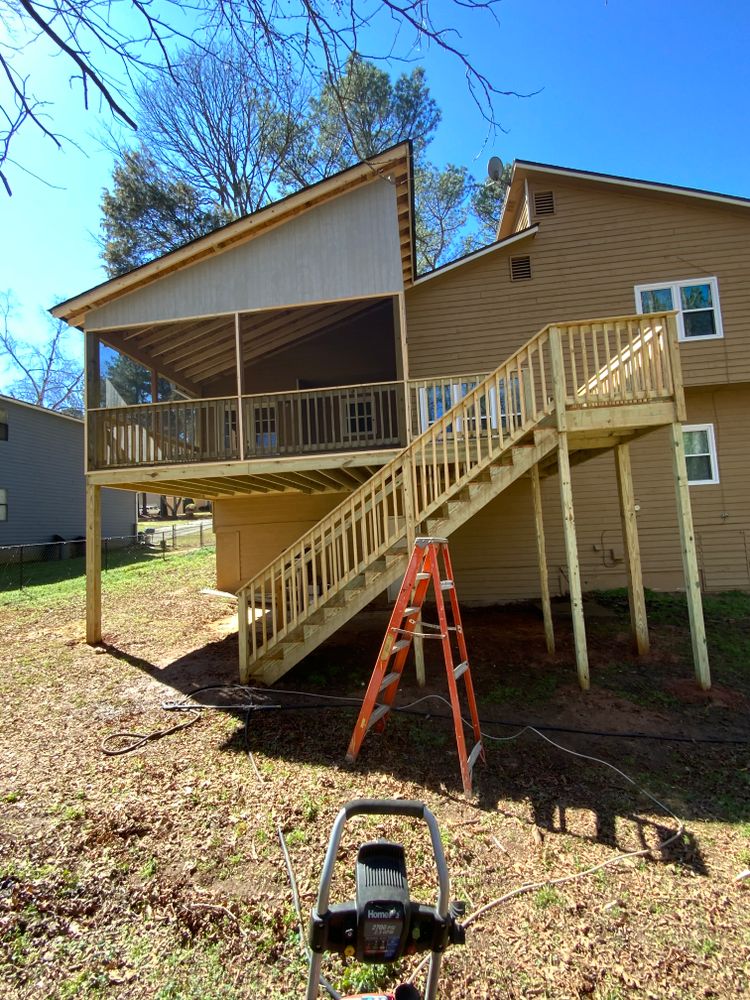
(430, 562)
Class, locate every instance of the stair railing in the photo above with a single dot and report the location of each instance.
(565, 364)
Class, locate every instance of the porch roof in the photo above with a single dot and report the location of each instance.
(394, 164)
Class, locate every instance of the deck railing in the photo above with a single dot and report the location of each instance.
(524, 392)
(344, 418)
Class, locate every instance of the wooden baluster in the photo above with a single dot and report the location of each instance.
(621, 367)
(634, 366)
(597, 367)
(573, 365)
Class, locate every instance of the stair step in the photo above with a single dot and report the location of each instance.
(388, 680)
(377, 715)
(460, 669)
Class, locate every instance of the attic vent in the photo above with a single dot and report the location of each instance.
(544, 203)
(520, 268)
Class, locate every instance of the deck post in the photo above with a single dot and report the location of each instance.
(690, 559)
(243, 635)
(628, 518)
(399, 317)
(93, 564)
(240, 387)
(571, 555)
(541, 551)
(411, 534)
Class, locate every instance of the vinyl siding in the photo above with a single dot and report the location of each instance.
(41, 467)
(495, 553)
(586, 259)
(252, 531)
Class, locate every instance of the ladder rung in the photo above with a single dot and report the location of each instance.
(387, 681)
(412, 609)
(473, 755)
(446, 585)
(461, 669)
(423, 576)
(377, 715)
(401, 644)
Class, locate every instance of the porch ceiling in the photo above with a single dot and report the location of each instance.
(190, 352)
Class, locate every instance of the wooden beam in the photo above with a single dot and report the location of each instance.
(628, 518)
(243, 635)
(571, 555)
(541, 554)
(339, 461)
(240, 388)
(93, 564)
(620, 419)
(690, 559)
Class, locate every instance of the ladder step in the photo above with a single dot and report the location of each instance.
(473, 756)
(401, 644)
(377, 715)
(461, 669)
(387, 681)
(423, 576)
(412, 609)
(447, 585)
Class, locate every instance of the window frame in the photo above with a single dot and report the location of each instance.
(3, 505)
(4, 424)
(712, 453)
(674, 287)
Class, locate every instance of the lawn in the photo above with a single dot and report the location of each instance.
(159, 873)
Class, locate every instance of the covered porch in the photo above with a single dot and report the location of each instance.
(260, 385)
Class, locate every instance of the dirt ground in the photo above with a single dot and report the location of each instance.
(159, 873)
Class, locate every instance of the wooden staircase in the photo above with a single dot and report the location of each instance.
(607, 370)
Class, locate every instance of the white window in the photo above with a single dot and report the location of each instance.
(3, 505)
(697, 303)
(700, 454)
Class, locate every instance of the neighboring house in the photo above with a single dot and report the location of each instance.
(42, 486)
(317, 374)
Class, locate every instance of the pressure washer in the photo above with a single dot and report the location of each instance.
(383, 924)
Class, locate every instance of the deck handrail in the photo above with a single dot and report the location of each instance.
(445, 457)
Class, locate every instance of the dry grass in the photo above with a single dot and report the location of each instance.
(159, 874)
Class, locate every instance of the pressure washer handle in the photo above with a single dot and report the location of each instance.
(385, 807)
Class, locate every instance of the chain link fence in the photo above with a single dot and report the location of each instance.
(24, 566)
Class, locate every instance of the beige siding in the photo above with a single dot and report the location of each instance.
(345, 248)
(495, 555)
(252, 531)
(586, 260)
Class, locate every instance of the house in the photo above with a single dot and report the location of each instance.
(558, 403)
(42, 485)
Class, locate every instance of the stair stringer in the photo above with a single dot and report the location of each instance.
(288, 652)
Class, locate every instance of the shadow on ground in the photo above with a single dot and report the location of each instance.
(519, 684)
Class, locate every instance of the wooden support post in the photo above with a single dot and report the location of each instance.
(240, 387)
(636, 597)
(403, 349)
(243, 635)
(93, 564)
(690, 560)
(559, 387)
(541, 551)
(571, 554)
(411, 534)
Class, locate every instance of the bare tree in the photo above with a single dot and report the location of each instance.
(48, 376)
(108, 44)
(219, 128)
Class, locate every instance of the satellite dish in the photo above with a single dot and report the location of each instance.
(495, 168)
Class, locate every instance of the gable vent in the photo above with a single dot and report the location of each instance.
(544, 203)
(520, 268)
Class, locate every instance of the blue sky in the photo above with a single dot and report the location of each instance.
(656, 90)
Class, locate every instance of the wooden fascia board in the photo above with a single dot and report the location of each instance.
(74, 310)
